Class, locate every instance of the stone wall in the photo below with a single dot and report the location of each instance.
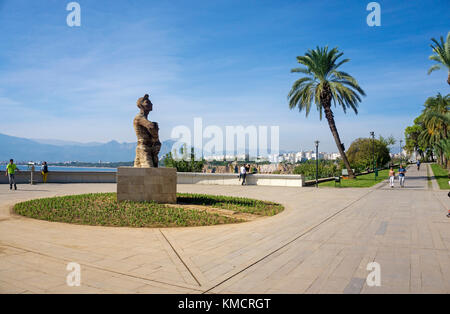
(147, 184)
(233, 179)
(63, 177)
(182, 178)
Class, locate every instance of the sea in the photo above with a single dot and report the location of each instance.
(62, 168)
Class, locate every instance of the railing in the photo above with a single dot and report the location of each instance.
(312, 182)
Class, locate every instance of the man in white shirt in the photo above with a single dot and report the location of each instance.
(243, 174)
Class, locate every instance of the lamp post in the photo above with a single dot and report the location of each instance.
(372, 134)
(400, 153)
(317, 163)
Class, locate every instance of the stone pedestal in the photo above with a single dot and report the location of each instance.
(147, 184)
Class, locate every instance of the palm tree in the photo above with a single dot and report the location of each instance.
(441, 55)
(435, 120)
(437, 116)
(445, 147)
(435, 113)
(323, 84)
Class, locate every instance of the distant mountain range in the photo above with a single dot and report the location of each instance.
(22, 149)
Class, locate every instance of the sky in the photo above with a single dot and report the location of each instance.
(225, 61)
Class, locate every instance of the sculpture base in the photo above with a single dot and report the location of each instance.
(147, 184)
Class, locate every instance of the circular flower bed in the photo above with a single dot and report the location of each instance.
(102, 209)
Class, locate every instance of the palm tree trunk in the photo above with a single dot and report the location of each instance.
(330, 117)
(448, 78)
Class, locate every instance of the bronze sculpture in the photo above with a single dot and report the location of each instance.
(148, 144)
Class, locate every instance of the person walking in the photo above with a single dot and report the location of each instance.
(11, 169)
(44, 171)
(448, 215)
(418, 165)
(243, 174)
(391, 177)
(401, 176)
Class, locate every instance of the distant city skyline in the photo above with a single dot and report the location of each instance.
(225, 61)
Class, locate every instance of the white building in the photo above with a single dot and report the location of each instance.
(308, 154)
(331, 156)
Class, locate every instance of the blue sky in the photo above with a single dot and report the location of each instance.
(223, 60)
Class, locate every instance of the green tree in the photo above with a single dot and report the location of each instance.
(326, 169)
(323, 84)
(436, 108)
(388, 141)
(435, 127)
(441, 54)
(183, 164)
(362, 151)
(443, 146)
(412, 143)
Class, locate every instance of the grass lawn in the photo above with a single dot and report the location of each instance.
(363, 181)
(102, 209)
(237, 204)
(441, 176)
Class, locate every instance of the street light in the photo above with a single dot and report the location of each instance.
(317, 163)
(372, 134)
(400, 153)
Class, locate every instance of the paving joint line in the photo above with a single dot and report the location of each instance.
(182, 261)
(439, 199)
(100, 268)
(289, 242)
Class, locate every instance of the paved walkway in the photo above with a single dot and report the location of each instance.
(321, 243)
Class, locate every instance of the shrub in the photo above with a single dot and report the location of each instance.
(326, 168)
(183, 164)
(361, 153)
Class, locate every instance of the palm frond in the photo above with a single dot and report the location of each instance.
(441, 53)
(434, 68)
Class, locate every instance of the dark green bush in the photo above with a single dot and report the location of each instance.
(327, 169)
(362, 151)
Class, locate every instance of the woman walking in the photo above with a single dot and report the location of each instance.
(391, 177)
